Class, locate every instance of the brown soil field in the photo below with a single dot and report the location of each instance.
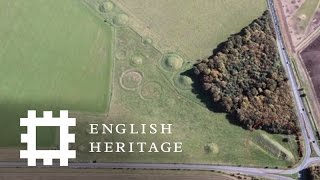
(289, 8)
(311, 59)
(85, 176)
(284, 24)
(9, 154)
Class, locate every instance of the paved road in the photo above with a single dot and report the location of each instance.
(306, 127)
(249, 171)
(304, 122)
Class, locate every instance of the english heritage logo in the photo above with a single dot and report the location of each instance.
(32, 122)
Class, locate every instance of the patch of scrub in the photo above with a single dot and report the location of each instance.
(183, 82)
(131, 79)
(146, 40)
(151, 90)
(273, 147)
(211, 148)
(136, 60)
(105, 7)
(171, 62)
(121, 54)
(108, 6)
(120, 19)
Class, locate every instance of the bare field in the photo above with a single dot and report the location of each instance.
(302, 18)
(311, 59)
(108, 174)
(9, 154)
(80, 176)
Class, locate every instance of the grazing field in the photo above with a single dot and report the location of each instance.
(311, 59)
(60, 52)
(149, 87)
(53, 55)
(273, 147)
(192, 28)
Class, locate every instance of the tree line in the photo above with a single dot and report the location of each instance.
(246, 77)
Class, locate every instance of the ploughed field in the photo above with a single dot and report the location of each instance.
(311, 59)
(109, 174)
(101, 176)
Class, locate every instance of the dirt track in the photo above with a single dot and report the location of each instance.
(311, 59)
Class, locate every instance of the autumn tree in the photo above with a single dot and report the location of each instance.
(246, 77)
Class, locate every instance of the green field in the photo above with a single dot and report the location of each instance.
(193, 28)
(54, 55)
(58, 55)
(149, 88)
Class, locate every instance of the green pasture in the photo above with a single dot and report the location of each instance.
(57, 55)
(147, 89)
(54, 55)
(193, 28)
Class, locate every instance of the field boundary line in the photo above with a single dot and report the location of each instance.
(305, 100)
(138, 26)
(112, 62)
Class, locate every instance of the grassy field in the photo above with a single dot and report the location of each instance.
(305, 13)
(53, 55)
(147, 88)
(64, 60)
(192, 28)
(274, 148)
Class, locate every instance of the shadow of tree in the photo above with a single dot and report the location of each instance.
(206, 98)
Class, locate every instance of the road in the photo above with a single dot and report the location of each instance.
(306, 127)
(305, 124)
(250, 171)
(304, 121)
